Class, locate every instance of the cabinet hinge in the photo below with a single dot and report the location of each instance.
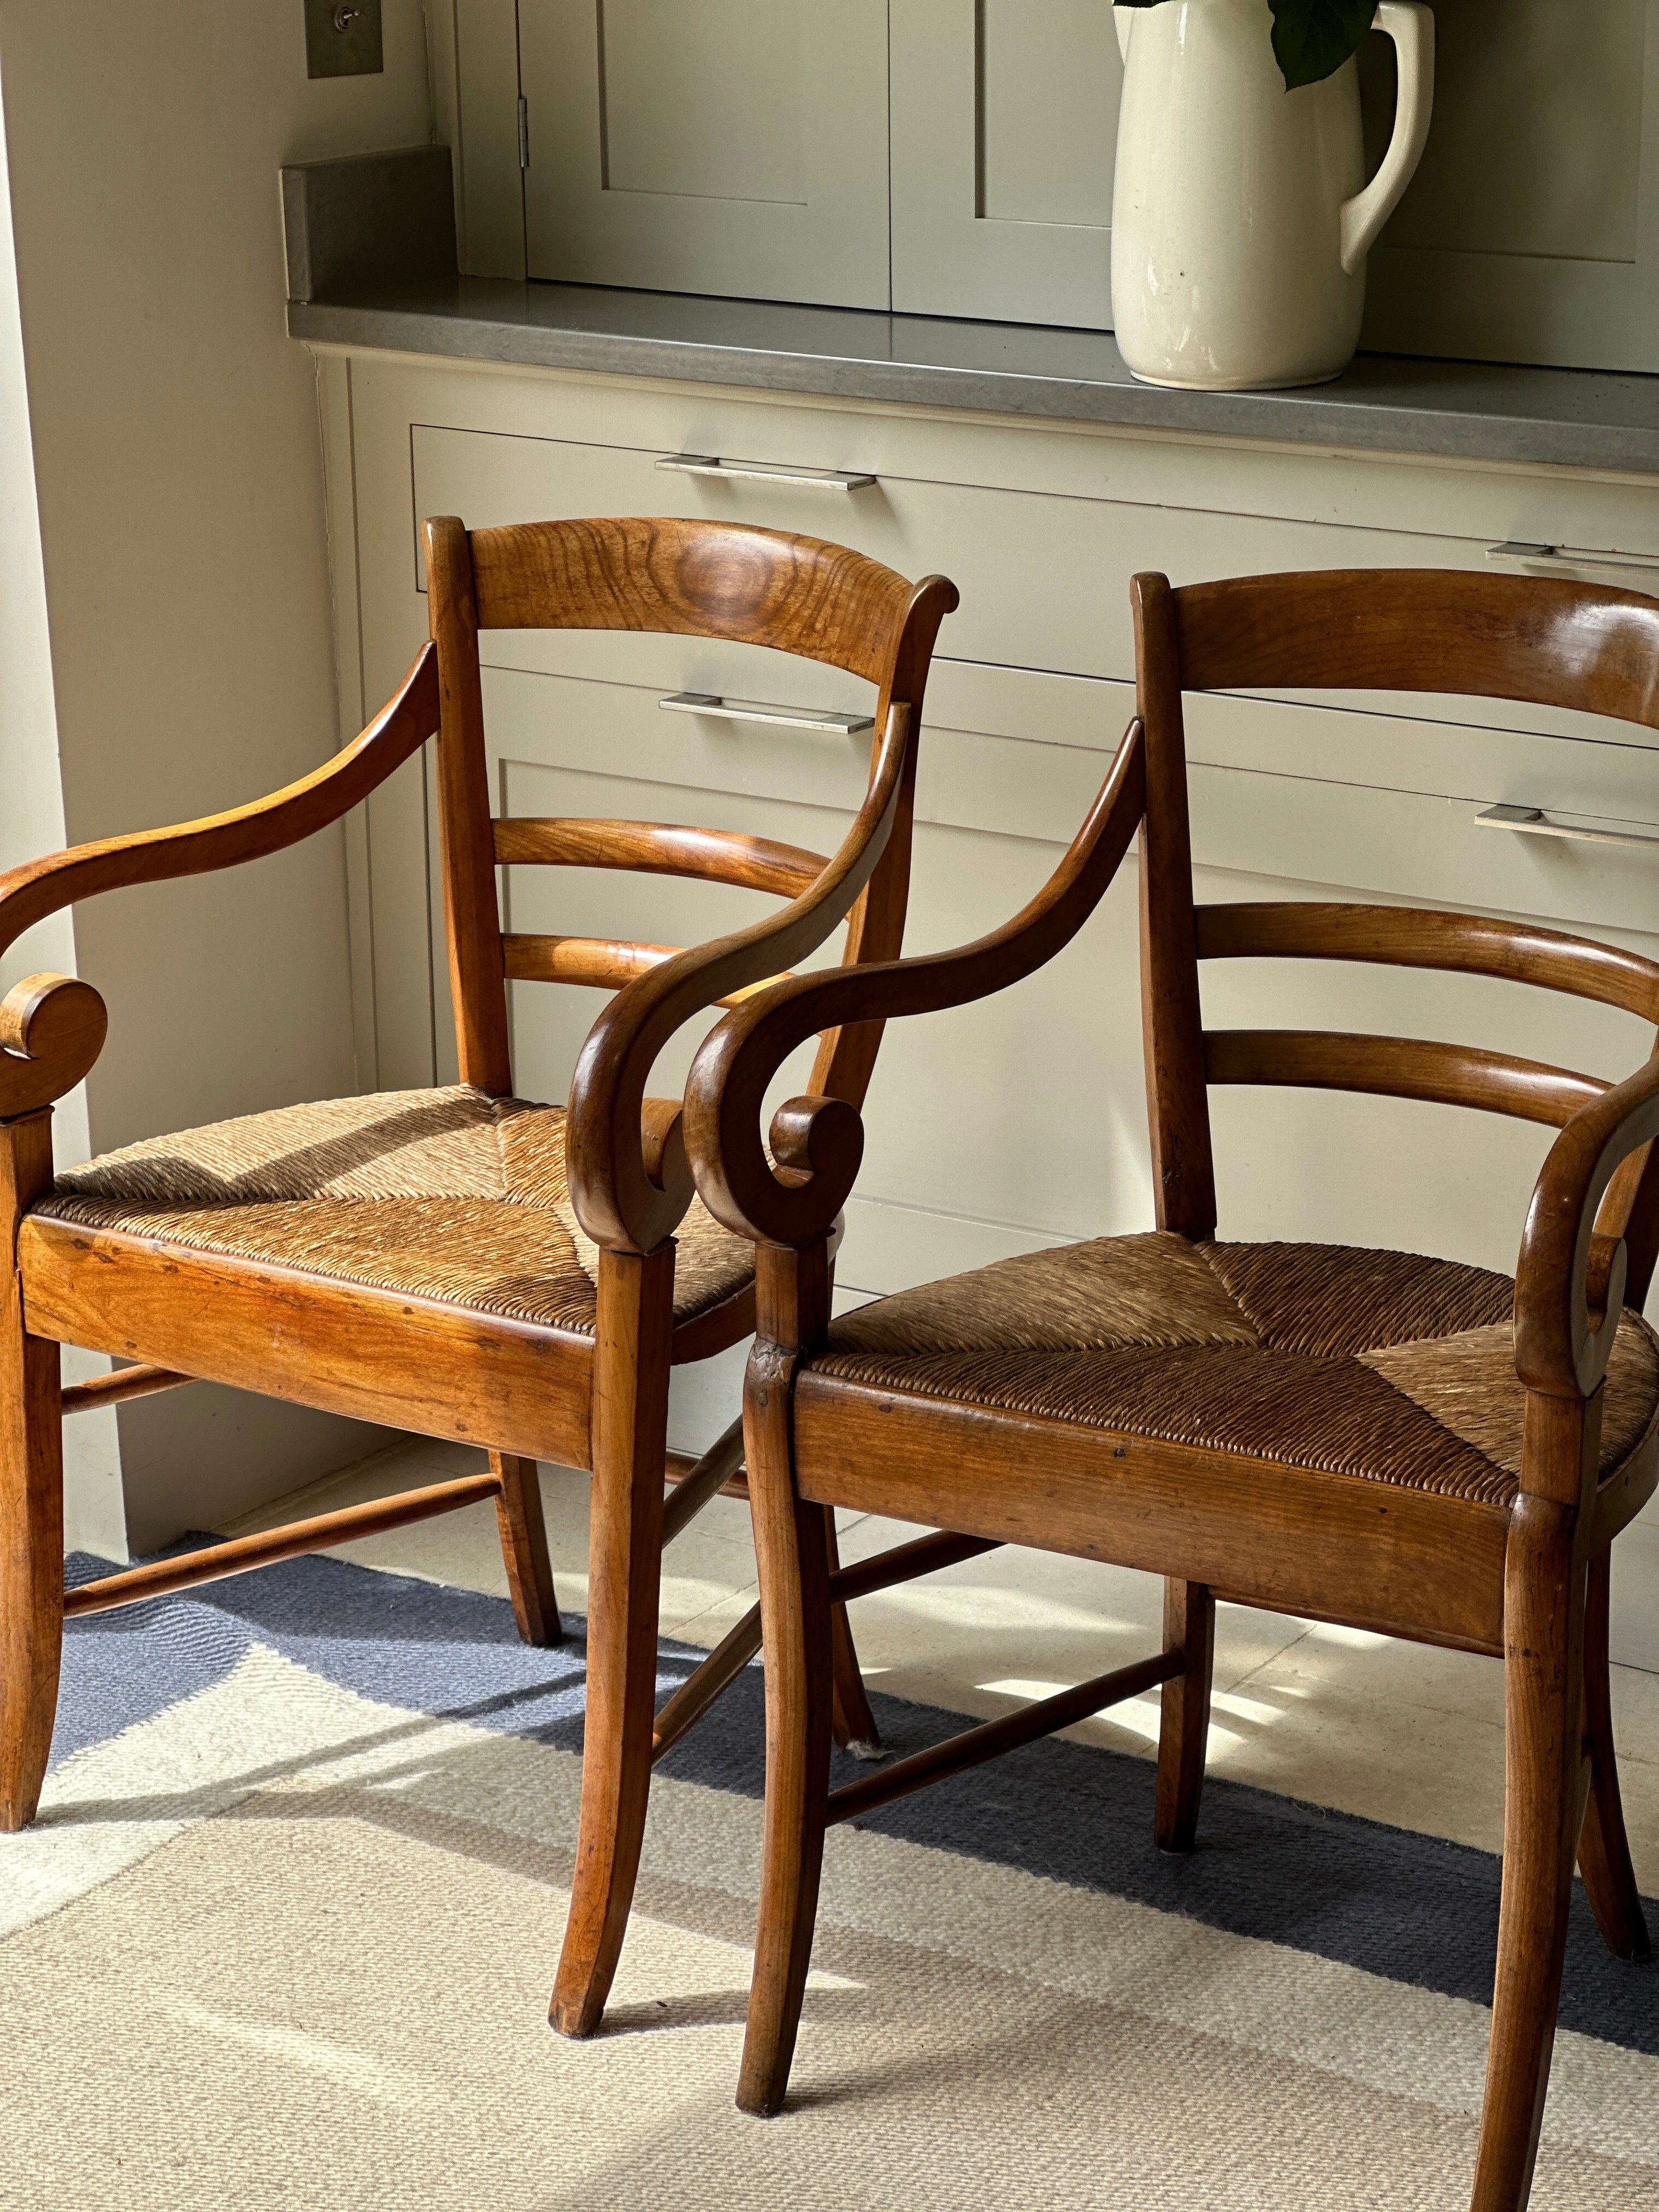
(524, 132)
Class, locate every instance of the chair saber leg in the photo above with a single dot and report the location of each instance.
(791, 1551)
(631, 1428)
(1184, 1727)
(791, 1539)
(1604, 1848)
(524, 1548)
(1546, 1773)
(31, 1498)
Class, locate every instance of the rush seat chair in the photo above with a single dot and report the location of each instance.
(1391, 1441)
(458, 1262)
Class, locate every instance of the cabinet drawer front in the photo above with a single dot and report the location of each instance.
(1044, 578)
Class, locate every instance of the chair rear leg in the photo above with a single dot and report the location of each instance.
(31, 1498)
(793, 1546)
(1184, 1726)
(630, 1430)
(524, 1547)
(1545, 1779)
(853, 1722)
(1604, 1858)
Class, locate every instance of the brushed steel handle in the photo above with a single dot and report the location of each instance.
(1533, 822)
(1570, 556)
(756, 710)
(711, 465)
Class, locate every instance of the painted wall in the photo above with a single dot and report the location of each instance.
(177, 496)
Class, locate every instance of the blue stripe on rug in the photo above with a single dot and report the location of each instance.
(1409, 1907)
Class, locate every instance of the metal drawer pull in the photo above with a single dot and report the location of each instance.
(756, 710)
(710, 465)
(1572, 556)
(1532, 821)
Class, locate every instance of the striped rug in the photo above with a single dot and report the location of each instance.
(284, 1932)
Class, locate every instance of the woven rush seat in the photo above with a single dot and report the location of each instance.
(450, 1194)
(1384, 1365)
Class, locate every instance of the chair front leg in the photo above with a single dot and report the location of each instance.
(792, 1548)
(635, 1328)
(1546, 1774)
(1604, 1857)
(31, 1497)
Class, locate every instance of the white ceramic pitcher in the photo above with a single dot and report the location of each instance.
(1241, 218)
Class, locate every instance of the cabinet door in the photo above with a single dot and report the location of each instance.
(1005, 137)
(737, 146)
(1531, 231)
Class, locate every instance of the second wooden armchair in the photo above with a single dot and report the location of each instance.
(458, 1262)
(1393, 1442)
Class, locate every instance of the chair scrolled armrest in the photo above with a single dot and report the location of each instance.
(629, 1180)
(51, 1030)
(817, 1143)
(38, 1020)
(1569, 1282)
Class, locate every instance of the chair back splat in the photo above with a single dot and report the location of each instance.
(1566, 645)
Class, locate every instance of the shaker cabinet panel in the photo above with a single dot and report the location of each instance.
(1004, 137)
(737, 147)
(1531, 230)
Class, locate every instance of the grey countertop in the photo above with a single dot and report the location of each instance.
(1462, 411)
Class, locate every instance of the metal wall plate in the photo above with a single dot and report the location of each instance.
(343, 38)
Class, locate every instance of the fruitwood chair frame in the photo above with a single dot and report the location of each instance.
(530, 1392)
(1527, 1581)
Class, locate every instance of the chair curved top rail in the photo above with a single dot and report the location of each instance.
(1401, 1067)
(1553, 642)
(660, 849)
(695, 578)
(1419, 937)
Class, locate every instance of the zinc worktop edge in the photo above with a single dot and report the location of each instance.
(1453, 410)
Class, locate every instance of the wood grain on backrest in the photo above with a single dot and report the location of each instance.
(715, 579)
(694, 579)
(1566, 644)
(1555, 643)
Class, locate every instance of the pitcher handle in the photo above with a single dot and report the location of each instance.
(1411, 25)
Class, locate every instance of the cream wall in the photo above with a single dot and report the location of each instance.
(167, 608)
(31, 822)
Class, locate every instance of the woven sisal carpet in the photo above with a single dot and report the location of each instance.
(283, 1937)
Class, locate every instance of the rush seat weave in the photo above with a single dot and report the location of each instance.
(1384, 1365)
(450, 1194)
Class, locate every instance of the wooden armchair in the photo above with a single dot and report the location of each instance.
(1396, 1442)
(457, 1261)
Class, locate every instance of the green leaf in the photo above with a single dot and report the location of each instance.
(1312, 38)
